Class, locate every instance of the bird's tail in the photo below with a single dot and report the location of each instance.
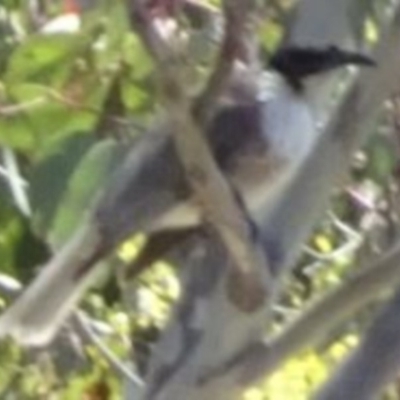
(36, 315)
(297, 63)
(342, 57)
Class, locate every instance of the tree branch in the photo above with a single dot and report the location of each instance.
(333, 309)
(236, 15)
(373, 364)
(211, 191)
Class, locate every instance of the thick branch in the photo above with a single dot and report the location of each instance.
(373, 365)
(210, 188)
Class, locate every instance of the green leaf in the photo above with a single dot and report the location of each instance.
(83, 187)
(40, 121)
(49, 180)
(41, 57)
(9, 231)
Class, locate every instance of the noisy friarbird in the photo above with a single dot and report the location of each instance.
(259, 146)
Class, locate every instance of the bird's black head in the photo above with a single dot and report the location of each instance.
(297, 63)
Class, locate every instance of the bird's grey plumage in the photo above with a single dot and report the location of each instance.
(258, 145)
(256, 164)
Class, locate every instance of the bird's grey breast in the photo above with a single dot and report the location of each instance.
(287, 122)
(260, 146)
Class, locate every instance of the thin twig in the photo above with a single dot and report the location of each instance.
(117, 364)
(11, 110)
(10, 287)
(16, 182)
(54, 95)
(232, 47)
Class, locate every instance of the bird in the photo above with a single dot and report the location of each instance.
(259, 146)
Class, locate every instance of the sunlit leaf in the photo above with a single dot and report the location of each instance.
(40, 118)
(42, 57)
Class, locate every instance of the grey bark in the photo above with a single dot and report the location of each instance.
(373, 365)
